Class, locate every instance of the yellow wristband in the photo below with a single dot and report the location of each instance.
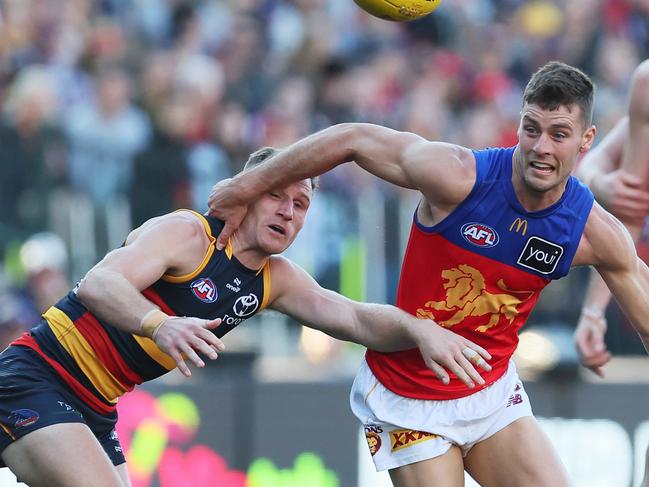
(151, 321)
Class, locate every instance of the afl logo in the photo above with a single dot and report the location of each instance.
(479, 235)
(204, 289)
(245, 305)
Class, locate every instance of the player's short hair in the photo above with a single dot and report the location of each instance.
(265, 153)
(558, 84)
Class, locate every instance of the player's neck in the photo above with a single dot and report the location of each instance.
(249, 255)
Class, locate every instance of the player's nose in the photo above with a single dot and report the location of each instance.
(543, 144)
(285, 209)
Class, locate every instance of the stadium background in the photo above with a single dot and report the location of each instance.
(115, 111)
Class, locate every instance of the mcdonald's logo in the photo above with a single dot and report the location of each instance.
(520, 224)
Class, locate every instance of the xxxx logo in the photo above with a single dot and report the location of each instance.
(400, 439)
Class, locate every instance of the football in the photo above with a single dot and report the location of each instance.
(398, 10)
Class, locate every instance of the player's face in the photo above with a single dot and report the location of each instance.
(549, 143)
(279, 215)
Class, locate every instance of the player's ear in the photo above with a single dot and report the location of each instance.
(587, 139)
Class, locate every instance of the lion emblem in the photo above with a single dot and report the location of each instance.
(466, 294)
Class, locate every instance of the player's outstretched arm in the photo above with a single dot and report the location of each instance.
(111, 290)
(444, 173)
(608, 246)
(380, 327)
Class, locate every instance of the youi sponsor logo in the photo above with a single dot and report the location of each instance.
(540, 255)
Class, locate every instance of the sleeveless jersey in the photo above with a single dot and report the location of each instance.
(100, 362)
(480, 271)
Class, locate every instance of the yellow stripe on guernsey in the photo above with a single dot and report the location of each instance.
(228, 250)
(155, 353)
(76, 345)
(266, 271)
(206, 259)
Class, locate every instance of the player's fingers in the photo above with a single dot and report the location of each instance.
(211, 339)
(596, 360)
(439, 371)
(599, 371)
(476, 355)
(205, 348)
(191, 355)
(224, 236)
(631, 179)
(600, 358)
(469, 368)
(460, 373)
(180, 363)
(211, 324)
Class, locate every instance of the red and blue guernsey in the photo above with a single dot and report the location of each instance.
(99, 362)
(480, 271)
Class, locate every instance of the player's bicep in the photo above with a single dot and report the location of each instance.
(157, 247)
(139, 265)
(436, 169)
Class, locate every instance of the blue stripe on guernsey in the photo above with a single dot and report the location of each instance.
(495, 224)
(221, 287)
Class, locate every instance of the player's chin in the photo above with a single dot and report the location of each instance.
(276, 246)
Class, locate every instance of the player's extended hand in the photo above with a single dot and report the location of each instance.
(444, 351)
(224, 204)
(622, 194)
(589, 340)
(182, 337)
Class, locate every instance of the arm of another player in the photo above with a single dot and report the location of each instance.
(444, 173)
(174, 243)
(380, 327)
(608, 246)
(591, 329)
(615, 187)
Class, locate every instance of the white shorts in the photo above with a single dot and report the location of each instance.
(400, 430)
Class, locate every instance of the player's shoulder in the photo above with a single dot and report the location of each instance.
(605, 240)
(182, 225)
(283, 268)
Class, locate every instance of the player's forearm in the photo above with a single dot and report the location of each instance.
(309, 157)
(112, 298)
(598, 296)
(386, 328)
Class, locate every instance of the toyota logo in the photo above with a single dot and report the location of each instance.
(245, 305)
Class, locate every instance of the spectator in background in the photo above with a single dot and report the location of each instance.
(32, 155)
(104, 136)
(43, 259)
(161, 173)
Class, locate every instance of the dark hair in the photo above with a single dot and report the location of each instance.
(558, 84)
(265, 153)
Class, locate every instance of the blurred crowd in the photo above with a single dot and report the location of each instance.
(114, 111)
